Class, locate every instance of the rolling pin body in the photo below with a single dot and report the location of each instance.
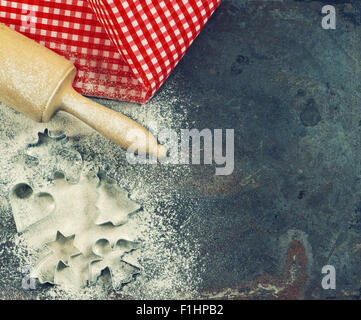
(38, 82)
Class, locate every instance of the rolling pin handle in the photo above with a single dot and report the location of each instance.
(111, 124)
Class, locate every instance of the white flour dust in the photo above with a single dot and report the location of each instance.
(168, 260)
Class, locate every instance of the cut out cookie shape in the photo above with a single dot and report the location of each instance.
(52, 156)
(29, 207)
(121, 272)
(75, 275)
(112, 202)
(70, 232)
(62, 249)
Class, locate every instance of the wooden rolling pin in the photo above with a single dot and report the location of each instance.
(38, 82)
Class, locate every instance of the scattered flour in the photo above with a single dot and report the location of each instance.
(169, 257)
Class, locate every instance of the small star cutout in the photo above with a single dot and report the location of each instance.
(63, 247)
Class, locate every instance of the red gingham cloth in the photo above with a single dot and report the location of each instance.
(123, 49)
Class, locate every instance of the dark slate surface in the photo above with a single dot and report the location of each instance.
(291, 91)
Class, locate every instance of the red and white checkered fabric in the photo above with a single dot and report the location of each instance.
(123, 49)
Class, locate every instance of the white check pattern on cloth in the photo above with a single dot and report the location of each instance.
(123, 49)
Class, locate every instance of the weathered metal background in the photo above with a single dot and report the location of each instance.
(291, 91)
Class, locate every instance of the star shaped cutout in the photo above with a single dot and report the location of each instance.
(63, 247)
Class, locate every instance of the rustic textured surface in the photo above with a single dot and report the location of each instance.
(291, 90)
